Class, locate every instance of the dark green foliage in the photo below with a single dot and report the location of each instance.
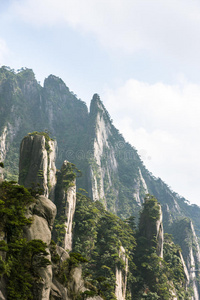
(183, 233)
(55, 258)
(25, 259)
(64, 271)
(1, 165)
(172, 257)
(149, 215)
(156, 278)
(13, 204)
(22, 258)
(98, 235)
(35, 190)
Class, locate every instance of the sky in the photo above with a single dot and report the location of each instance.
(141, 56)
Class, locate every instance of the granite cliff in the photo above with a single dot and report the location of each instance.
(52, 273)
(112, 171)
(102, 247)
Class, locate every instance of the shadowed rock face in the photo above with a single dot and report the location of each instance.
(188, 242)
(37, 164)
(66, 203)
(151, 227)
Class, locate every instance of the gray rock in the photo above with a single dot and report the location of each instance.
(46, 209)
(62, 253)
(68, 197)
(58, 291)
(39, 230)
(41, 290)
(2, 289)
(95, 298)
(37, 163)
(43, 213)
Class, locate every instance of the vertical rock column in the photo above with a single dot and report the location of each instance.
(151, 226)
(37, 163)
(121, 277)
(43, 213)
(37, 166)
(66, 202)
(3, 150)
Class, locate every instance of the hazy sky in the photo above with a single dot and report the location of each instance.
(141, 56)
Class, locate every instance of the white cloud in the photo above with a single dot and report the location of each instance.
(163, 123)
(4, 52)
(171, 27)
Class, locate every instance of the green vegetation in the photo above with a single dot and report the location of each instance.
(26, 106)
(64, 272)
(45, 134)
(20, 259)
(98, 236)
(66, 179)
(13, 201)
(99, 240)
(156, 277)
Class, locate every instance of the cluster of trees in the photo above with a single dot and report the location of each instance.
(98, 237)
(19, 258)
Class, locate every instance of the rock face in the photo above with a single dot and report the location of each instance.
(151, 226)
(43, 213)
(121, 277)
(117, 175)
(159, 235)
(66, 203)
(188, 242)
(140, 187)
(37, 163)
(3, 144)
(109, 155)
(3, 149)
(102, 167)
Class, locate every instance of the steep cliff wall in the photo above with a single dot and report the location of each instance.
(184, 235)
(103, 164)
(151, 226)
(65, 200)
(121, 276)
(3, 144)
(43, 213)
(192, 260)
(37, 163)
(158, 259)
(112, 170)
(115, 178)
(51, 273)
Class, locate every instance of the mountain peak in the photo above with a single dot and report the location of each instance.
(55, 83)
(96, 106)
